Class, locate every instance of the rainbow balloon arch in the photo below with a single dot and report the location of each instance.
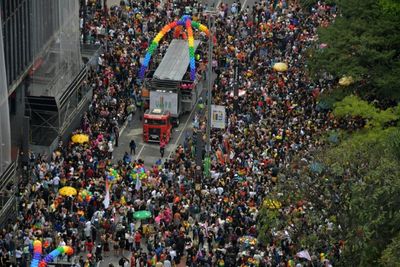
(189, 24)
(38, 261)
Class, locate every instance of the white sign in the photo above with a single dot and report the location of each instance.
(218, 116)
(164, 100)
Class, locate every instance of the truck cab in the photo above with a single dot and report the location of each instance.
(156, 126)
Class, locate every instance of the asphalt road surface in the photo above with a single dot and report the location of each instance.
(150, 152)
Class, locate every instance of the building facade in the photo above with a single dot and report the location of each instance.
(5, 137)
(16, 33)
(41, 78)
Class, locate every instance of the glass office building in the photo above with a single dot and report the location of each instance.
(5, 138)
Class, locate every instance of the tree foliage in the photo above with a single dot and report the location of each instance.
(369, 159)
(364, 43)
(391, 255)
(355, 107)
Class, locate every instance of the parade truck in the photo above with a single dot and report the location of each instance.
(157, 125)
(169, 87)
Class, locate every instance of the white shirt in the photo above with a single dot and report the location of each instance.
(172, 253)
(56, 180)
(18, 254)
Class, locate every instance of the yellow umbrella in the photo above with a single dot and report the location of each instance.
(346, 80)
(80, 138)
(67, 191)
(280, 66)
(272, 204)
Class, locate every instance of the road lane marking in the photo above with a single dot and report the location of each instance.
(217, 6)
(243, 6)
(140, 152)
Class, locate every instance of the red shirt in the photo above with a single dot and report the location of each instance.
(89, 245)
(138, 237)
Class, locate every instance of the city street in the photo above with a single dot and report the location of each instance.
(150, 152)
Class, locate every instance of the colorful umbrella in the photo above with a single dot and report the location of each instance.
(141, 215)
(80, 138)
(67, 191)
(280, 66)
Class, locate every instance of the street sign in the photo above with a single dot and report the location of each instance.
(218, 116)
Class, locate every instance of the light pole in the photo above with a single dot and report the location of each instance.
(236, 86)
(210, 14)
(209, 92)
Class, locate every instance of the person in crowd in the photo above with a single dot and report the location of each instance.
(132, 146)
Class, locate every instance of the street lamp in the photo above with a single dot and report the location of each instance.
(210, 14)
(236, 86)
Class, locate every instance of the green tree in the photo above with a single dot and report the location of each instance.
(391, 255)
(364, 43)
(369, 159)
(353, 106)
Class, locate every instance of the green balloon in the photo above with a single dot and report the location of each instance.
(195, 24)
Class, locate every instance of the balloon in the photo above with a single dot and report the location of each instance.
(195, 24)
(147, 57)
(184, 21)
(55, 253)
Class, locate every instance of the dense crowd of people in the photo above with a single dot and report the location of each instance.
(195, 221)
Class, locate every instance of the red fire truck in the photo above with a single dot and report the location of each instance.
(156, 126)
